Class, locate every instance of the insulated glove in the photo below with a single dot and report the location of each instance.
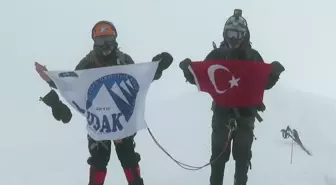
(186, 72)
(275, 75)
(277, 68)
(165, 60)
(59, 110)
(185, 64)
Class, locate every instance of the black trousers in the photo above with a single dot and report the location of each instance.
(241, 143)
(100, 152)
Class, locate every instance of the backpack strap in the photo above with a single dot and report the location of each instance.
(122, 60)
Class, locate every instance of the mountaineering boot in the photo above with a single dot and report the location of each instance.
(97, 177)
(133, 176)
(240, 177)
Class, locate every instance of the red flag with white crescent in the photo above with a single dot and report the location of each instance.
(232, 83)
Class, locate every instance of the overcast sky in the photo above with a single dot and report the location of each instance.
(300, 34)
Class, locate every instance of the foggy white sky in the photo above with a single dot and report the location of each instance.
(300, 34)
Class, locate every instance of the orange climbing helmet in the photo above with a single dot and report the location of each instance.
(104, 28)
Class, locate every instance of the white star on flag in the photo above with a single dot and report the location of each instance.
(234, 82)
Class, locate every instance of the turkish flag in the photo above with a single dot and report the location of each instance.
(232, 83)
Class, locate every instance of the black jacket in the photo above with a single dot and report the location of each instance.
(91, 60)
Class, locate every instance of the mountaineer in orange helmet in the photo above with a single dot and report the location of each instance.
(106, 53)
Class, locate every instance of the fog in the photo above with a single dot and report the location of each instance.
(299, 34)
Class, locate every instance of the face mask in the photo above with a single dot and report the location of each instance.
(105, 44)
(234, 37)
(106, 52)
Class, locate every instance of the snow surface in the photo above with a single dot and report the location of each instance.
(37, 150)
(182, 126)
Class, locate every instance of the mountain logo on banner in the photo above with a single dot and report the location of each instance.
(110, 102)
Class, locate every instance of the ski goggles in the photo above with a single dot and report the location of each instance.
(104, 40)
(234, 34)
(233, 37)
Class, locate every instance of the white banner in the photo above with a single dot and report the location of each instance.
(111, 98)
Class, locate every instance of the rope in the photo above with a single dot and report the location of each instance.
(232, 126)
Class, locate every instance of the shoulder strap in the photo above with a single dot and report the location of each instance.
(121, 58)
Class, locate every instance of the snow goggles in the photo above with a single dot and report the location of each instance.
(234, 37)
(234, 34)
(104, 40)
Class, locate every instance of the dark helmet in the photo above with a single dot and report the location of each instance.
(236, 31)
(104, 35)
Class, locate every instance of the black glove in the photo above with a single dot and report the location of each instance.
(186, 72)
(277, 68)
(185, 64)
(59, 110)
(275, 75)
(165, 60)
(158, 74)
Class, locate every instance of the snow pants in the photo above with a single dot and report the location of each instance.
(241, 143)
(100, 152)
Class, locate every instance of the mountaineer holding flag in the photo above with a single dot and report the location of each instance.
(235, 76)
(111, 98)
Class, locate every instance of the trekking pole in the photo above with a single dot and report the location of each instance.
(287, 133)
(291, 159)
